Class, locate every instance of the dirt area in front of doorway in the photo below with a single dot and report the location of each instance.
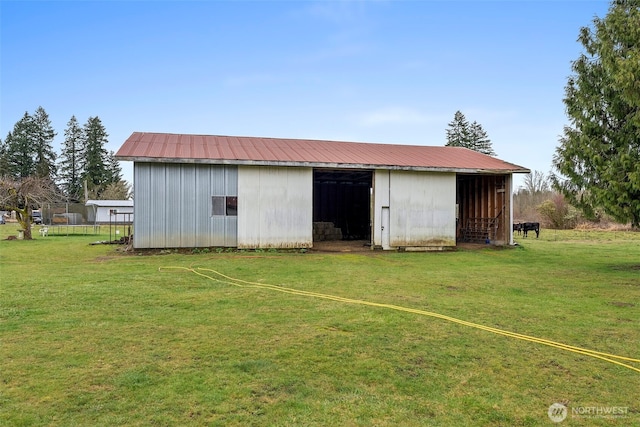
(364, 246)
(342, 246)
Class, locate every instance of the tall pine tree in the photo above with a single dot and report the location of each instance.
(114, 171)
(71, 160)
(20, 145)
(472, 136)
(95, 165)
(4, 163)
(459, 133)
(28, 148)
(480, 140)
(45, 157)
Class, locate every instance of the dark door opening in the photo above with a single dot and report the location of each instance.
(482, 214)
(343, 198)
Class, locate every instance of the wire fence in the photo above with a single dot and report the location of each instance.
(575, 235)
(66, 230)
(77, 218)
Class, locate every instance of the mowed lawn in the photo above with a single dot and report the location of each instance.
(92, 336)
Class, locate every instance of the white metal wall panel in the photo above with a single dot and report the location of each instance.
(422, 209)
(103, 214)
(174, 205)
(380, 200)
(275, 207)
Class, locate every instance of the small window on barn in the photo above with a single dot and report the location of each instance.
(217, 205)
(224, 205)
(232, 206)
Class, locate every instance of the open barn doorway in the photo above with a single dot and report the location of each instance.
(342, 205)
(482, 209)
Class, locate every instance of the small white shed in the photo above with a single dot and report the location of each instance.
(109, 211)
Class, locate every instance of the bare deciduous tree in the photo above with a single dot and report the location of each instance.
(530, 195)
(536, 182)
(25, 194)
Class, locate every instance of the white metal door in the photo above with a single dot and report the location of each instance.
(385, 228)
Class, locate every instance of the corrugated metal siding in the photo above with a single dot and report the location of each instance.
(275, 207)
(141, 184)
(231, 222)
(422, 209)
(201, 206)
(173, 205)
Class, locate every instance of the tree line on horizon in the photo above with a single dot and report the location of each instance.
(83, 169)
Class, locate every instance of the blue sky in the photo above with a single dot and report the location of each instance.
(368, 71)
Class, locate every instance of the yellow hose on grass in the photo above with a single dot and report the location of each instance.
(611, 358)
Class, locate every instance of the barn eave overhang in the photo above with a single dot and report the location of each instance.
(241, 162)
(500, 171)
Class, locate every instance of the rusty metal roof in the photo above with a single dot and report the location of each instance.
(240, 150)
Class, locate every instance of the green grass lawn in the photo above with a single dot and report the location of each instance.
(92, 336)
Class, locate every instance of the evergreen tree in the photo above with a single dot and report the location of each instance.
(28, 149)
(95, 163)
(459, 132)
(480, 140)
(45, 157)
(4, 163)
(20, 144)
(472, 136)
(599, 154)
(114, 171)
(71, 159)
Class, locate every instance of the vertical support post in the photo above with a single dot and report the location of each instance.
(508, 185)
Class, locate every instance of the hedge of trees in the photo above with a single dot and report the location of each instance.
(83, 169)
